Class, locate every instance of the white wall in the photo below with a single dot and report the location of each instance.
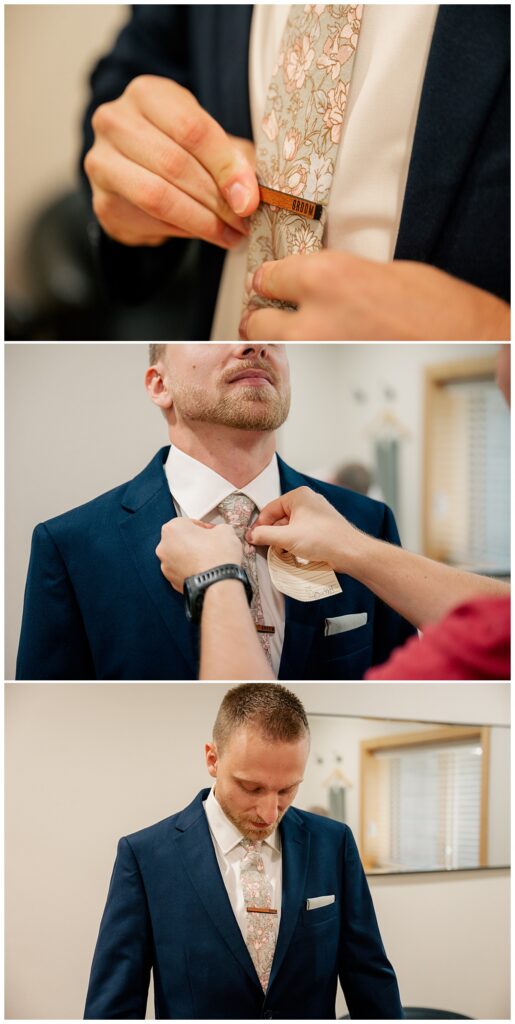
(86, 764)
(448, 938)
(499, 796)
(326, 379)
(78, 423)
(335, 737)
(50, 50)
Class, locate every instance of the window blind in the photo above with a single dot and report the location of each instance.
(428, 807)
(469, 478)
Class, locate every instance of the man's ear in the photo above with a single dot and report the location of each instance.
(211, 759)
(157, 386)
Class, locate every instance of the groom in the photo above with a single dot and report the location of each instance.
(96, 603)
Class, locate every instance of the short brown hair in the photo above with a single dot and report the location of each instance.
(154, 353)
(276, 711)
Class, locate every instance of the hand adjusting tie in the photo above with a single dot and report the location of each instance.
(196, 586)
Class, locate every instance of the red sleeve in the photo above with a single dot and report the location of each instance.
(471, 642)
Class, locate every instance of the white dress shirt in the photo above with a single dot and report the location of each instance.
(229, 854)
(369, 182)
(197, 490)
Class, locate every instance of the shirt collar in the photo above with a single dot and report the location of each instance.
(226, 834)
(197, 489)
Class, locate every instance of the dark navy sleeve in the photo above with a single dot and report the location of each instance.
(120, 974)
(53, 642)
(154, 42)
(366, 975)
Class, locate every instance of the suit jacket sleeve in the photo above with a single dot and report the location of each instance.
(53, 643)
(366, 975)
(120, 974)
(154, 42)
(391, 629)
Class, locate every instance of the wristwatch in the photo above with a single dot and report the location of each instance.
(196, 586)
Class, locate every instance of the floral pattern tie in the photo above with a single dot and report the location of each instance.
(301, 129)
(261, 931)
(239, 511)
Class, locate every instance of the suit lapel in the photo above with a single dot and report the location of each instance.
(295, 859)
(199, 859)
(147, 504)
(467, 62)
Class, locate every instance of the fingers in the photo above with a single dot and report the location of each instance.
(127, 224)
(270, 536)
(176, 112)
(111, 172)
(247, 149)
(286, 280)
(267, 325)
(136, 138)
(271, 513)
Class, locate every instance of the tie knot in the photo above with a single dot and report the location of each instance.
(251, 845)
(237, 510)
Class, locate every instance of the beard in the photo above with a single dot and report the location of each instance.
(234, 405)
(242, 823)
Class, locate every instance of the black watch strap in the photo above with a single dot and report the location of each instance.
(196, 586)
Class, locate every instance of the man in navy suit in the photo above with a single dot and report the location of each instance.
(423, 250)
(96, 603)
(242, 906)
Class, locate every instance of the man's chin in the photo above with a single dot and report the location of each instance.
(253, 408)
(253, 832)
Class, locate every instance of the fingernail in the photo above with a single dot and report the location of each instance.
(230, 236)
(242, 329)
(256, 282)
(238, 196)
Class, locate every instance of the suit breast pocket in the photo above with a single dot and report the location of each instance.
(345, 655)
(337, 645)
(319, 916)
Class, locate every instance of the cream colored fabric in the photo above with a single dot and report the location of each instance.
(370, 178)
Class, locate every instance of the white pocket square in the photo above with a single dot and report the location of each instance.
(342, 623)
(319, 901)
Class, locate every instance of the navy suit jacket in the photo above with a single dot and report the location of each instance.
(456, 208)
(97, 605)
(168, 910)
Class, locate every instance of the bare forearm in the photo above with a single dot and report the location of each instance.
(229, 645)
(420, 589)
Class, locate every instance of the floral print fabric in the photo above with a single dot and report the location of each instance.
(261, 933)
(239, 511)
(302, 127)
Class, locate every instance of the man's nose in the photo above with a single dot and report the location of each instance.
(267, 808)
(251, 351)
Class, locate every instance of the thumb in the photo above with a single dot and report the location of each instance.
(273, 536)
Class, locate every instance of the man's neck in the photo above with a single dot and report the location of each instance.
(237, 455)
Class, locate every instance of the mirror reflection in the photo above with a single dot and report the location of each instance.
(418, 796)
